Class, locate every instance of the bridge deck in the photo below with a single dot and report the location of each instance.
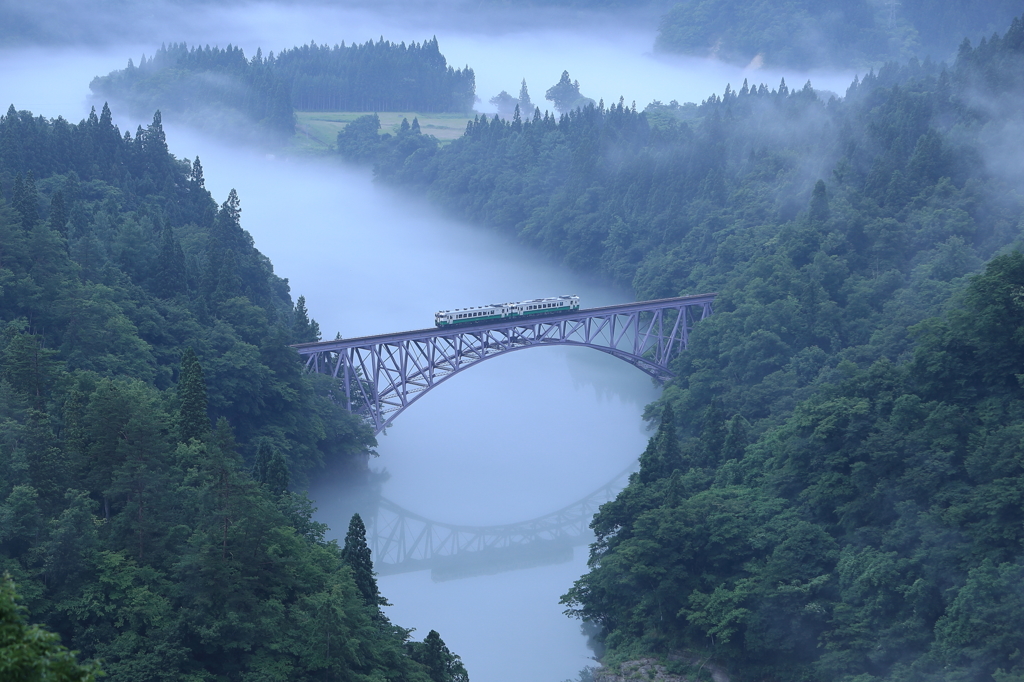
(341, 344)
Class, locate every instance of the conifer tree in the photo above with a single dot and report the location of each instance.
(197, 175)
(170, 278)
(26, 200)
(58, 214)
(224, 439)
(663, 455)
(18, 193)
(270, 469)
(712, 434)
(442, 665)
(356, 553)
(305, 330)
(564, 94)
(228, 225)
(819, 210)
(524, 98)
(193, 420)
(156, 140)
(264, 451)
(278, 479)
(737, 438)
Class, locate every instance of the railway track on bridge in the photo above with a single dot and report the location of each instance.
(380, 376)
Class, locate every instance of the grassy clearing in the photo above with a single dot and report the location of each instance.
(315, 131)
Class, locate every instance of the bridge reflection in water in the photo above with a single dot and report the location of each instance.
(380, 376)
(403, 542)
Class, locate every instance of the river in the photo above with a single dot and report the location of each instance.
(370, 260)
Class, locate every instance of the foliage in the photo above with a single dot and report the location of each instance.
(806, 34)
(837, 461)
(204, 85)
(356, 553)
(135, 531)
(565, 95)
(28, 653)
(877, 531)
(193, 420)
(507, 104)
(381, 76)
(221, 88)
(97, 291)
(442, 665)
(360, 141)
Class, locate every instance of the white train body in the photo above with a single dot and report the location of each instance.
(504, 311)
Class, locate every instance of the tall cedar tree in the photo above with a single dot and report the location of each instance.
(270, 469)
(306, 330)
(171, 276)
(193, 420)
(662, 455)
(442, 665)
(356, 554)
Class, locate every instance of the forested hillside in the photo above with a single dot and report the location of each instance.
(836, 487)
(220, 88)
(811, 34)
(207, 87)
(152, 417)
(381, 76)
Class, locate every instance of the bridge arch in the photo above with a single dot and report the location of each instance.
(382, 376)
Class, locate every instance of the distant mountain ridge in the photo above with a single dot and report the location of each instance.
(812, 34)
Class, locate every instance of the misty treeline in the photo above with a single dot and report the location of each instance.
(205, 86)
(564, 95)
(836, 488)
(812, 34)
(221, 88)
(381, 76)
(152, 421)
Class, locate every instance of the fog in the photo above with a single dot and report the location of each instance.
(369, 260)
(610, 55)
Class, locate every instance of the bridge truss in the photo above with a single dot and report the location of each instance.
(402, 541)
(380, 376)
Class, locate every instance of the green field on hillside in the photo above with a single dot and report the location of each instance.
(317, 130)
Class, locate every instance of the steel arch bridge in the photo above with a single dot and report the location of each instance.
(383, 375)
(403, 542)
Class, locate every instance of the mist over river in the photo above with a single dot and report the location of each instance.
(370, 261)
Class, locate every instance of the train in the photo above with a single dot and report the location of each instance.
(504, 311)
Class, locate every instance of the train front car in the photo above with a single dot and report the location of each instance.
(547, 306)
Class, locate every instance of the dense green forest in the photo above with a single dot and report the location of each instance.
(208, 87)
(381, 76)
(811, 34)
(152, 418)
(835, 489)
(213, 87)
